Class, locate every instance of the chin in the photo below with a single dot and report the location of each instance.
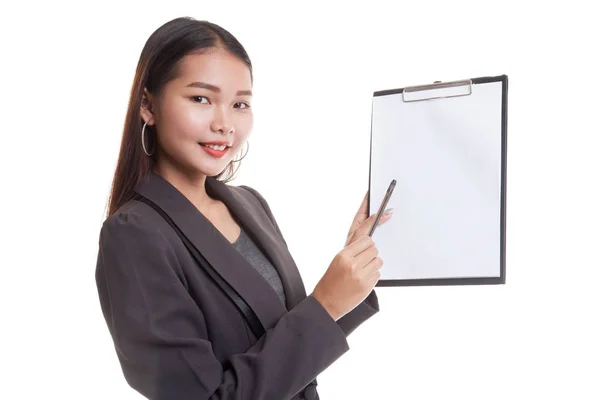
(212, 170)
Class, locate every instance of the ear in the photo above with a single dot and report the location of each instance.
(147, 108)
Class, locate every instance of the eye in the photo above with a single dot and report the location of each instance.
(198, 99)
(245, 105)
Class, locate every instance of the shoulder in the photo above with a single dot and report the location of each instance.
(134, 222)
(133, 212)
(132, 245)
(251, 195)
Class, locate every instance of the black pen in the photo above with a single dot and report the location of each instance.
(386, 198)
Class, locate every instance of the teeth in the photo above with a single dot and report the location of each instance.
(212, 146)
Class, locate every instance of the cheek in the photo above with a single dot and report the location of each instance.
(244, 124)
(185, 121)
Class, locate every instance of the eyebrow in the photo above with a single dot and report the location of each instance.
(215, 89)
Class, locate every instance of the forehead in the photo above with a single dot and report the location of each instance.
(217, 67)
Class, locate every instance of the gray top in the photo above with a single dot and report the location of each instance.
(245, 245)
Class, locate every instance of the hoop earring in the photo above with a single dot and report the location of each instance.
(144, 142)
(245, 154)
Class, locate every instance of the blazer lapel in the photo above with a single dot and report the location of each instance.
(220, 253)
(263, 233)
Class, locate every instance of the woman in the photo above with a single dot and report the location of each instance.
(199, 291)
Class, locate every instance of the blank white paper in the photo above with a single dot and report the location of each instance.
(446, 157)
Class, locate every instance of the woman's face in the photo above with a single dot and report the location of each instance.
(208, 102)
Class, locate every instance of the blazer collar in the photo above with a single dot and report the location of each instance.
(221, 254)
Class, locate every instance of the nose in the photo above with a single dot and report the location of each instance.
(222, 122)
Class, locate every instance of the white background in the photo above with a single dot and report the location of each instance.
(66, 73)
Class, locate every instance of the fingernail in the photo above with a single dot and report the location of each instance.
(388, 211)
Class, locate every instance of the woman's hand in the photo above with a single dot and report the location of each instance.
(362, 222)
(354, 271)
(350, 278)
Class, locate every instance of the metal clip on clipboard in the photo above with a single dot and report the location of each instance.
(437, 90)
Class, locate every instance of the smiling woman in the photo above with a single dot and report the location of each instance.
(193, 85)
(199, 291)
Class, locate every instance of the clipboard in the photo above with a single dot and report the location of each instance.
(445, 145)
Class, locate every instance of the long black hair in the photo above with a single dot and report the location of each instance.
(159, 63)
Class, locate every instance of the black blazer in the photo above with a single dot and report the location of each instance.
(176, 333)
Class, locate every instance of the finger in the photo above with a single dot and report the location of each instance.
(362, 210)
(359, 245)
(374, 278)
(372, 267)
(360, 216)
(365, 227)
(362, 260)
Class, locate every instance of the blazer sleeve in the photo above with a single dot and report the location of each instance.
(160, 334)
(350, 321)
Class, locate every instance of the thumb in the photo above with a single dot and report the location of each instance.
(360, 217)
(364, 228)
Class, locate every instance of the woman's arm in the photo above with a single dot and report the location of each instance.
(160, 335)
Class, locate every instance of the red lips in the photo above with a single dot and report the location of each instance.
(218, 143)
(214, 152)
